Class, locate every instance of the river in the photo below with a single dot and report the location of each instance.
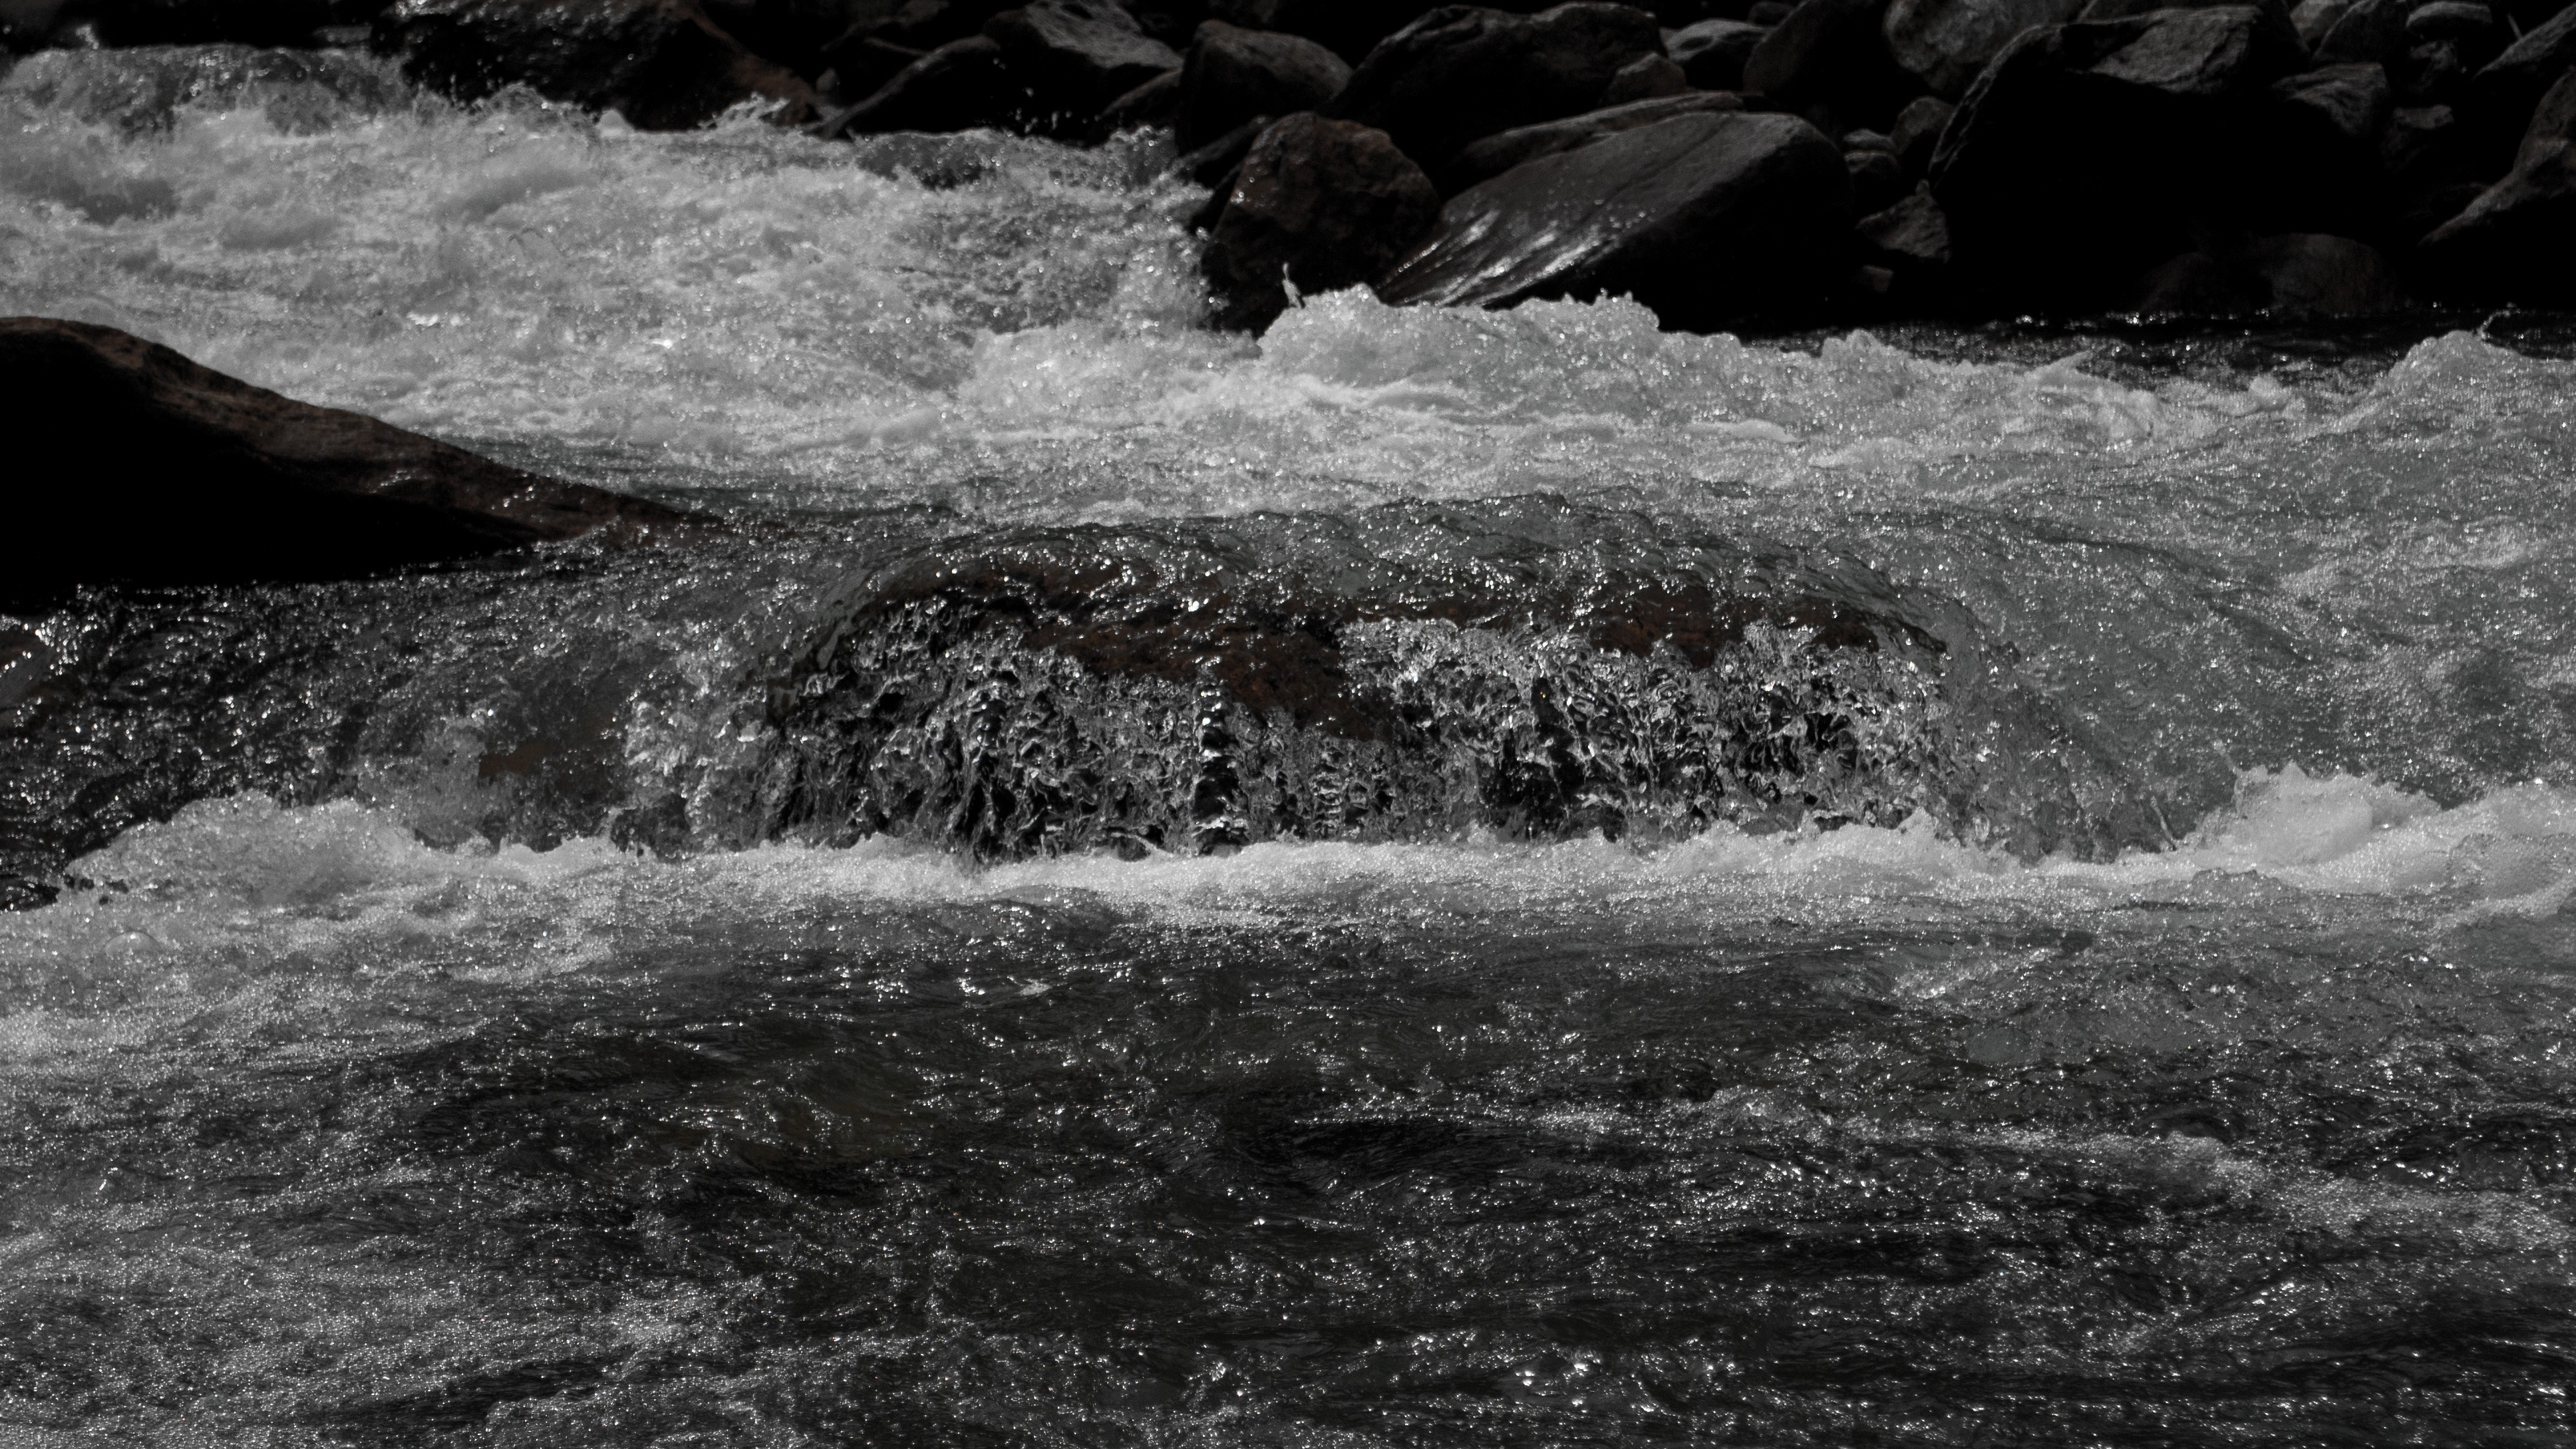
(452, 1030)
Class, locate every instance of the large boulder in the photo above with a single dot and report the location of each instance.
(1318, 205)
(662, 64)
(2087, 152)
(2325, 128)
(1829, 61)
(1707, 218)
(1463, 72)
(1232, 75)
(1945, 43)
(1494, 155)
(131, 464)
(1077, 56)
(2515, 241)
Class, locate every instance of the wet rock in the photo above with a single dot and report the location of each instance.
(930, 24)
(132, 464)
(1220, 159)
(1461, 73)
(2424, 147)
(2513, 242)
(1648, 78)
(662, 64)
(2087, 152)
(793, 33)
(1495, 155)
(1077, 56)
(1909, 239)
(1350, 30)
(1917, 132)
(1877, 179)
(1318, 204)
(858, 66)
(27, 24)
(2300, 274)
(958, 87)
(2371, 32)
(1707, 218)
(1831, 54)
(1155, 103)
(1232, 74)
(2313, 18)
(2323, 131)
(1945, 43)
(1712, 53)
(1407, 673)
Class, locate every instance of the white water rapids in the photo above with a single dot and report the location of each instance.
(333, 1122)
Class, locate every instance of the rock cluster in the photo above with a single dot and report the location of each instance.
(1722, 160)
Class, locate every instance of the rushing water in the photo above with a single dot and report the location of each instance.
(2080, 958)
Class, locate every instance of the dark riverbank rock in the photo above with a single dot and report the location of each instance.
(1463, 72)
(662, 64)
(1077, 56)
(1494, 155)
(2088, 152)
(1707, 218)
(1347, 28)
(1319, 204)
(2514, 242)
(28, 24)
(1946, 43)
(1408, 673)
(132, 464)
(1828, 60)
(2301, 274)
(958, 87)
(1232, 75)
(1712, 53)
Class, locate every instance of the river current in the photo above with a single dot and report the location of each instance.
(468, 1010)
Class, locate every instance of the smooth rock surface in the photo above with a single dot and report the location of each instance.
(1495, 155)
(1833, 54)
(132, 464)
(1706, 218)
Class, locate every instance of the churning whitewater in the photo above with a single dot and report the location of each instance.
(2056, 935)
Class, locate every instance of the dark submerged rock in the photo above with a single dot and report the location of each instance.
(1707, 218)
(1494, 155)
(662, 64)
(1232, 75)
(1324, 204)
(132, 464)
(1712, 53)
(1040, 694)
(1462, 72)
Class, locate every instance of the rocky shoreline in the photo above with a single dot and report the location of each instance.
(1726, 162)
